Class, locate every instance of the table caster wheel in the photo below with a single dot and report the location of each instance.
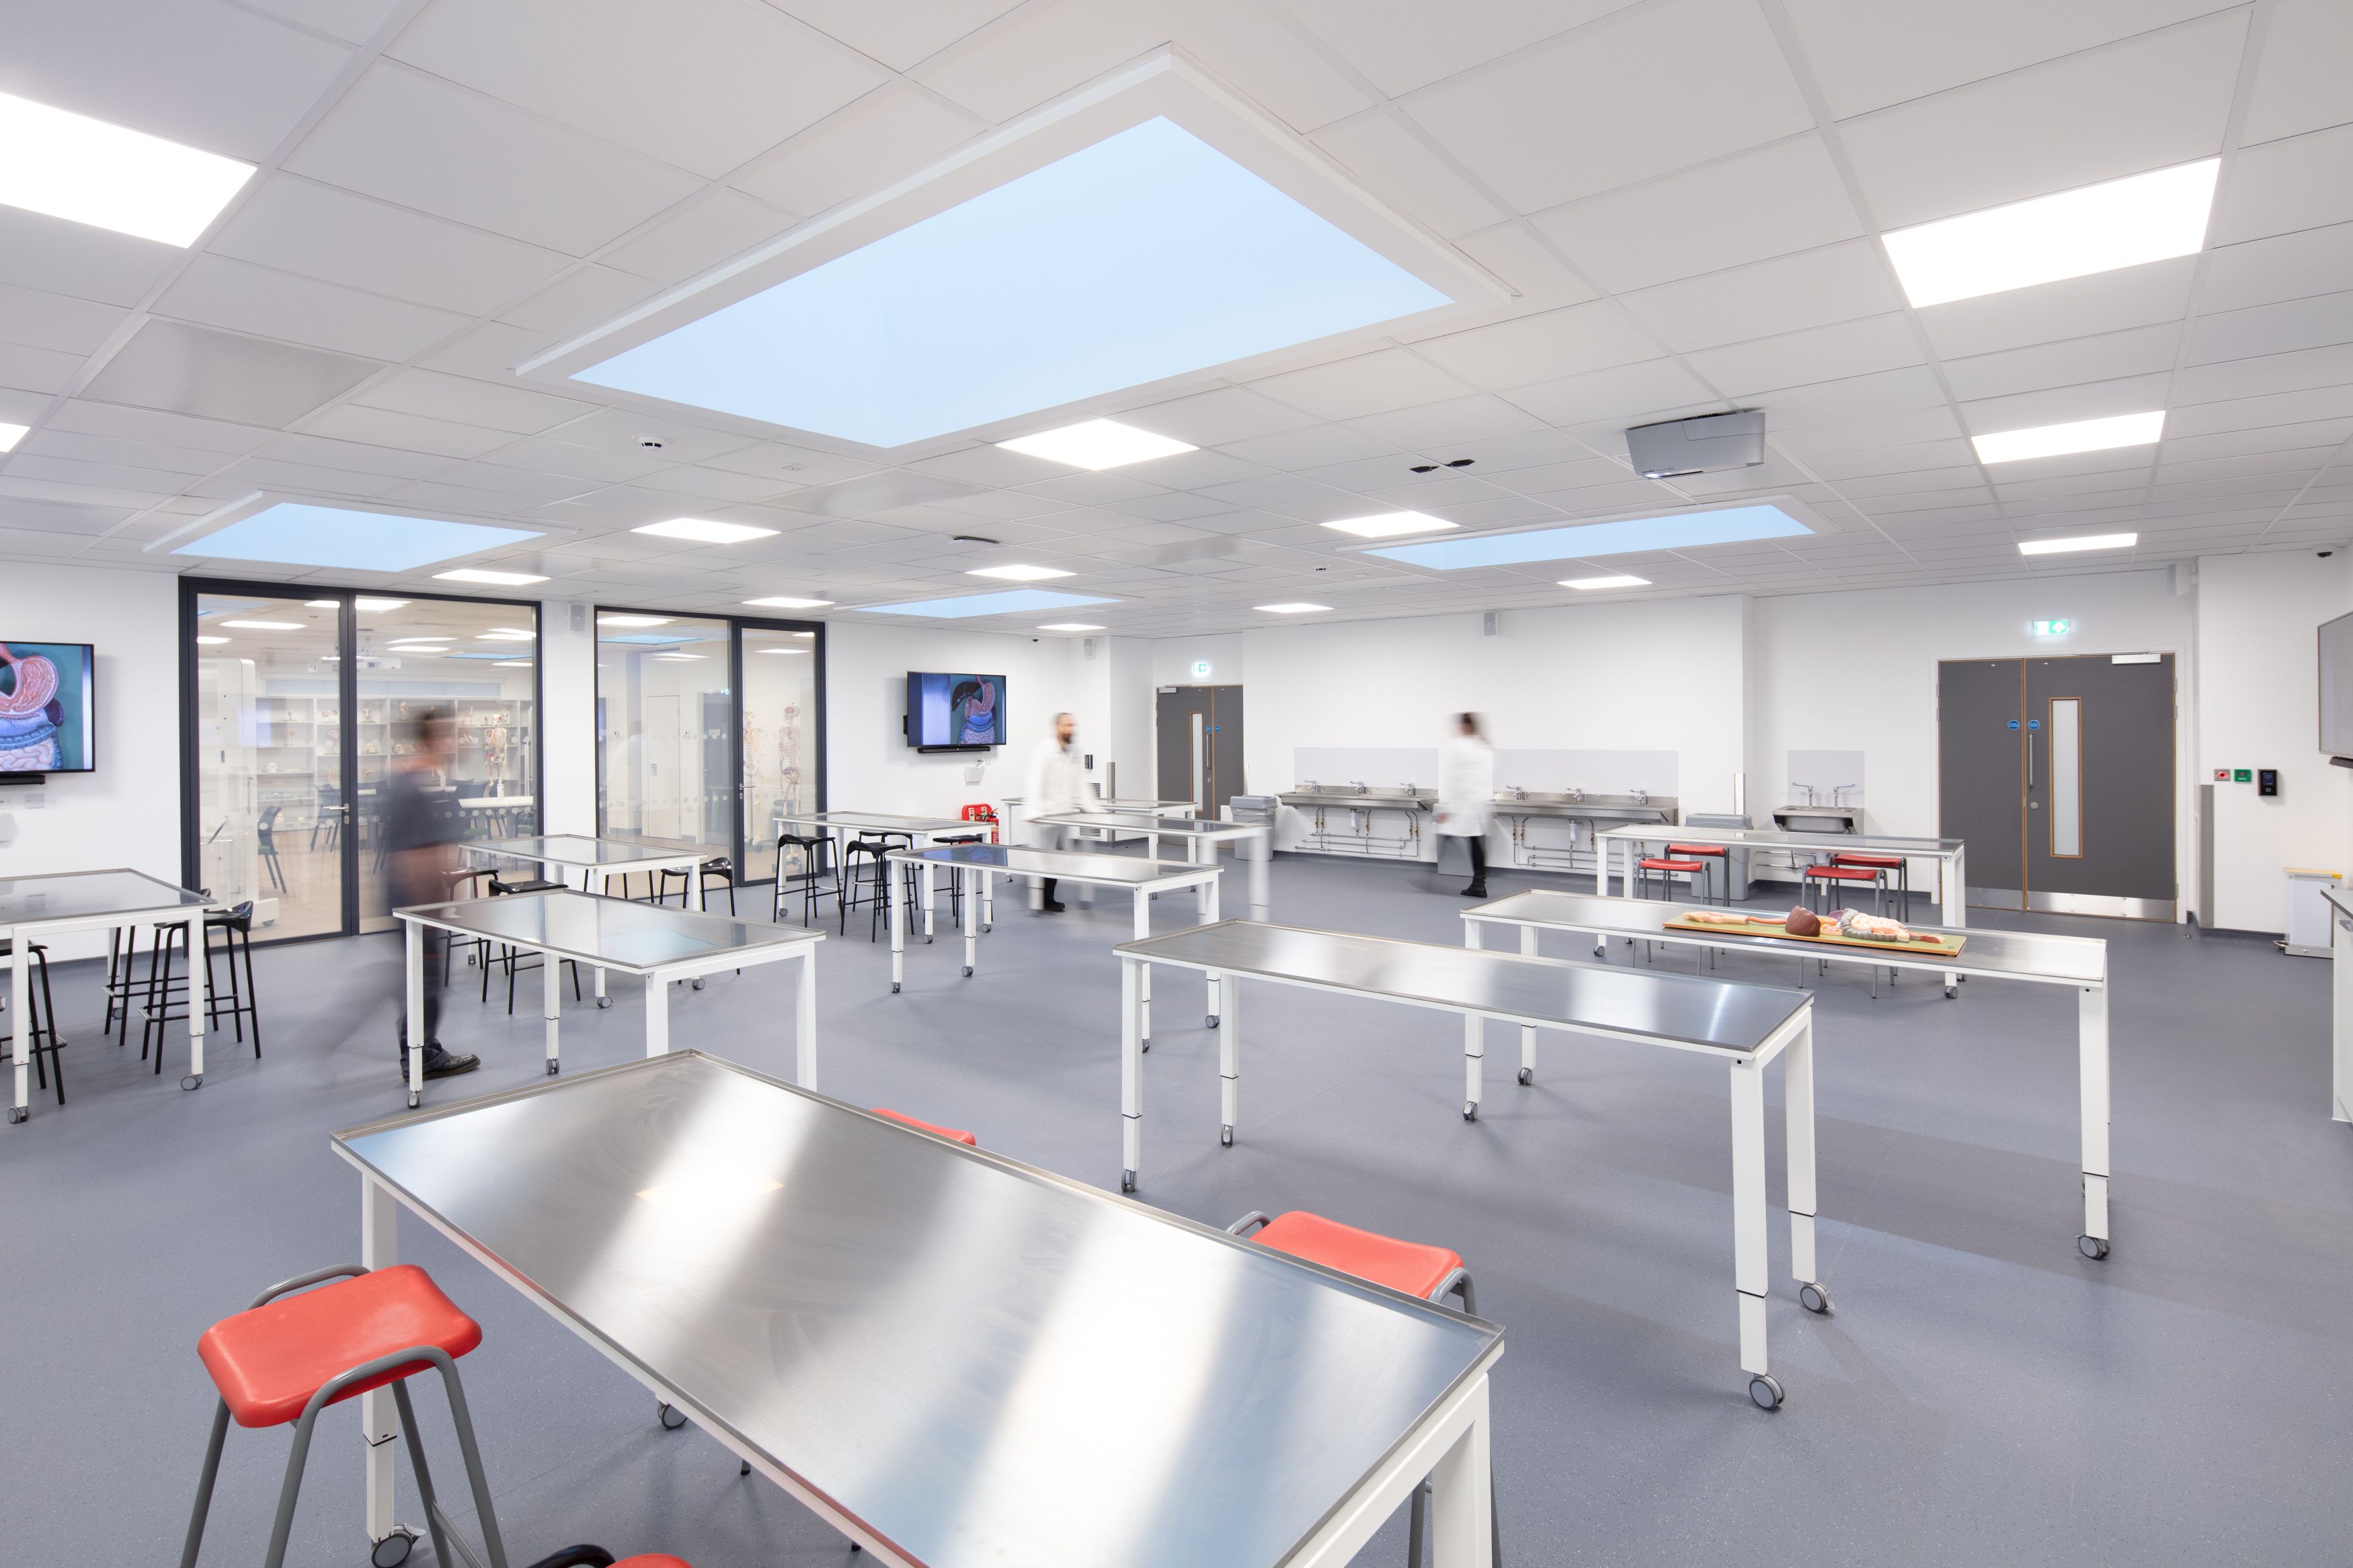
(392, 1549)
(1952, 992)
(1226, 1136)
(745, 1468)
(672, 1417)
(1127, 1181)
(698, 982)
(1600, 950)
(17, 1113)
(894, 988)
(927, 939)
(2093, 1246)
(555, 1067)
(415, 1099)
(604, 1001)
(986, 928)
(1471, 1111)
(1814, 1298)
(1209, 1021)
(193, 1081)
(1528, 1077)
(967, 972)
(1766, 1390)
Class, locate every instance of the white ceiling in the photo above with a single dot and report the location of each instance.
(1686, 195)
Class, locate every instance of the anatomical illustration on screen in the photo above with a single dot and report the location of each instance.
(46, 709)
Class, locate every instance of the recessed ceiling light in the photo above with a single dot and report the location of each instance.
(1619, 581)
(483, 575)
(1388, 525)
(295, 533)
(1016, 601)
(1070, 626)
(210, 642)
(804, 634)
(2080, 436)
(512, 664)
(1018, 574)
(266, 626)
(681, 657)
(2080, 542)
(12, 434)
(505, 633)
(619, 620)
(1148, 255)
(1300, 609)
(378, 606)
(782, 650)
(1677, 530)
(2119, 223)
(1096, 445)
(786, 601)
(86, 171)
(702, 531)
(322, 604)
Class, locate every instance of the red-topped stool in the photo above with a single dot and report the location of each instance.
(1710, 856)
(952, 1134)
(1893, 869)
(1832, 879)
(1667, 867)
(1415, 1267)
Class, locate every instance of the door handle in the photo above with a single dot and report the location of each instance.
(2029, 759)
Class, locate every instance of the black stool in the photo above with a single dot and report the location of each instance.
(165, 993)
(508, 956)
(858, 887)
(718, 865)
(817, 864)
(43, 1023)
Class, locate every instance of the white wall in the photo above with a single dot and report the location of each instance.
(567, 689)
(2258, 706)
(128, 812)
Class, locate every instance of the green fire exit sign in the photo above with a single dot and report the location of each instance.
(2053, 628)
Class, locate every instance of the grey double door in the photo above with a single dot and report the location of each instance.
(2059, 772)
(1200, 745)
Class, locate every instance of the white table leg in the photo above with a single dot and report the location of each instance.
(1527, 1031)
(1461, 1496)
(657, 1013)
(693, 869)
(1797, 1119)
(20, 1020)
(898, 930)
(1144, 982)
(550, 1006)
(988, 900)
(198, 951)
(379, 1418)
(549, 871)
(967, 896)
(1749, 1266)
(1474, 1063)
(414, 1019)
(1229, 1070)
(804, 1022)
(2340, 962)
(1261, 855)
(2092, 1054)
(1953, 904)
(1193, 848)
(1131, 1071)
(1210, 893)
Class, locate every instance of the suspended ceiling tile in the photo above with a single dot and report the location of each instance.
(1387, 158)
(2301, 83)
(716, 226)
(183, 369)
(1651, 389)
(2282, 186)
(1811, 288)
(431, 395)
(867, 146)
(1542, 347)
(2316, 320)
(2141, 350)
(298, 226)
(217, 292)
(2129, 296)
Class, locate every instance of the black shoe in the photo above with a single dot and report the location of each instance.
(448, 1064)
(1056, 909)
(1475, 891)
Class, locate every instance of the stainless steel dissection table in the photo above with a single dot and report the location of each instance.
(1747, 1026)
(651, 940)
(922, 831)
(2076, 963)
(1201, 835)
(957, 1361)
(32, 907)
(2340, 1044)
(973, 865)
(569, 858)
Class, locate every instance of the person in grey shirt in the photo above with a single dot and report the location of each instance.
(418, 819)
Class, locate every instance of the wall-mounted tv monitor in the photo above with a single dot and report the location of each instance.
(48, 708)
(2336, 687)
(955, 712)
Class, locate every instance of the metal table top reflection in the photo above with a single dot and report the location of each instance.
(59, 901)
(2043, 958)
(579, 852)
(957, 1359)
(879, 822)
(1747, 1026)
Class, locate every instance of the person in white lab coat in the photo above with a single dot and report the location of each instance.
(1466, 795)
(1057, 784)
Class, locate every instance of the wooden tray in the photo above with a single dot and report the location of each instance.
(1920, 946)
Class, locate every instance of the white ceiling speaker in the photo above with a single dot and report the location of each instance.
(1707, 444)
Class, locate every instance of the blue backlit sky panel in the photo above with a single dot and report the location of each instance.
(292, 534)
(1021, 601)
(1726, 527)
(1147, 255)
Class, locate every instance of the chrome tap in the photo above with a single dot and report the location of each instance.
(1519, 792)
(1641, 796)
(1360, 787)
(1575, 796)
(1807, 787)
(1841, 790)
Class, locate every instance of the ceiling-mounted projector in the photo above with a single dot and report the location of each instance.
(1707, 444)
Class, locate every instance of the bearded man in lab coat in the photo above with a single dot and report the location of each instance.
(1057, 784)
(1466, 795)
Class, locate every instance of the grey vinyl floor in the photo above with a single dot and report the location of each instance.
(1983, 1394)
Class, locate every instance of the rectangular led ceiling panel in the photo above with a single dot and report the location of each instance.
(2073, 234)
(1014, 601)
(292, 534)
(71, 166)
(1728, 526)
(1147, 255)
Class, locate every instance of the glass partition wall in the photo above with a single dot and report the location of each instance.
(679, 760)
(298, 702)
